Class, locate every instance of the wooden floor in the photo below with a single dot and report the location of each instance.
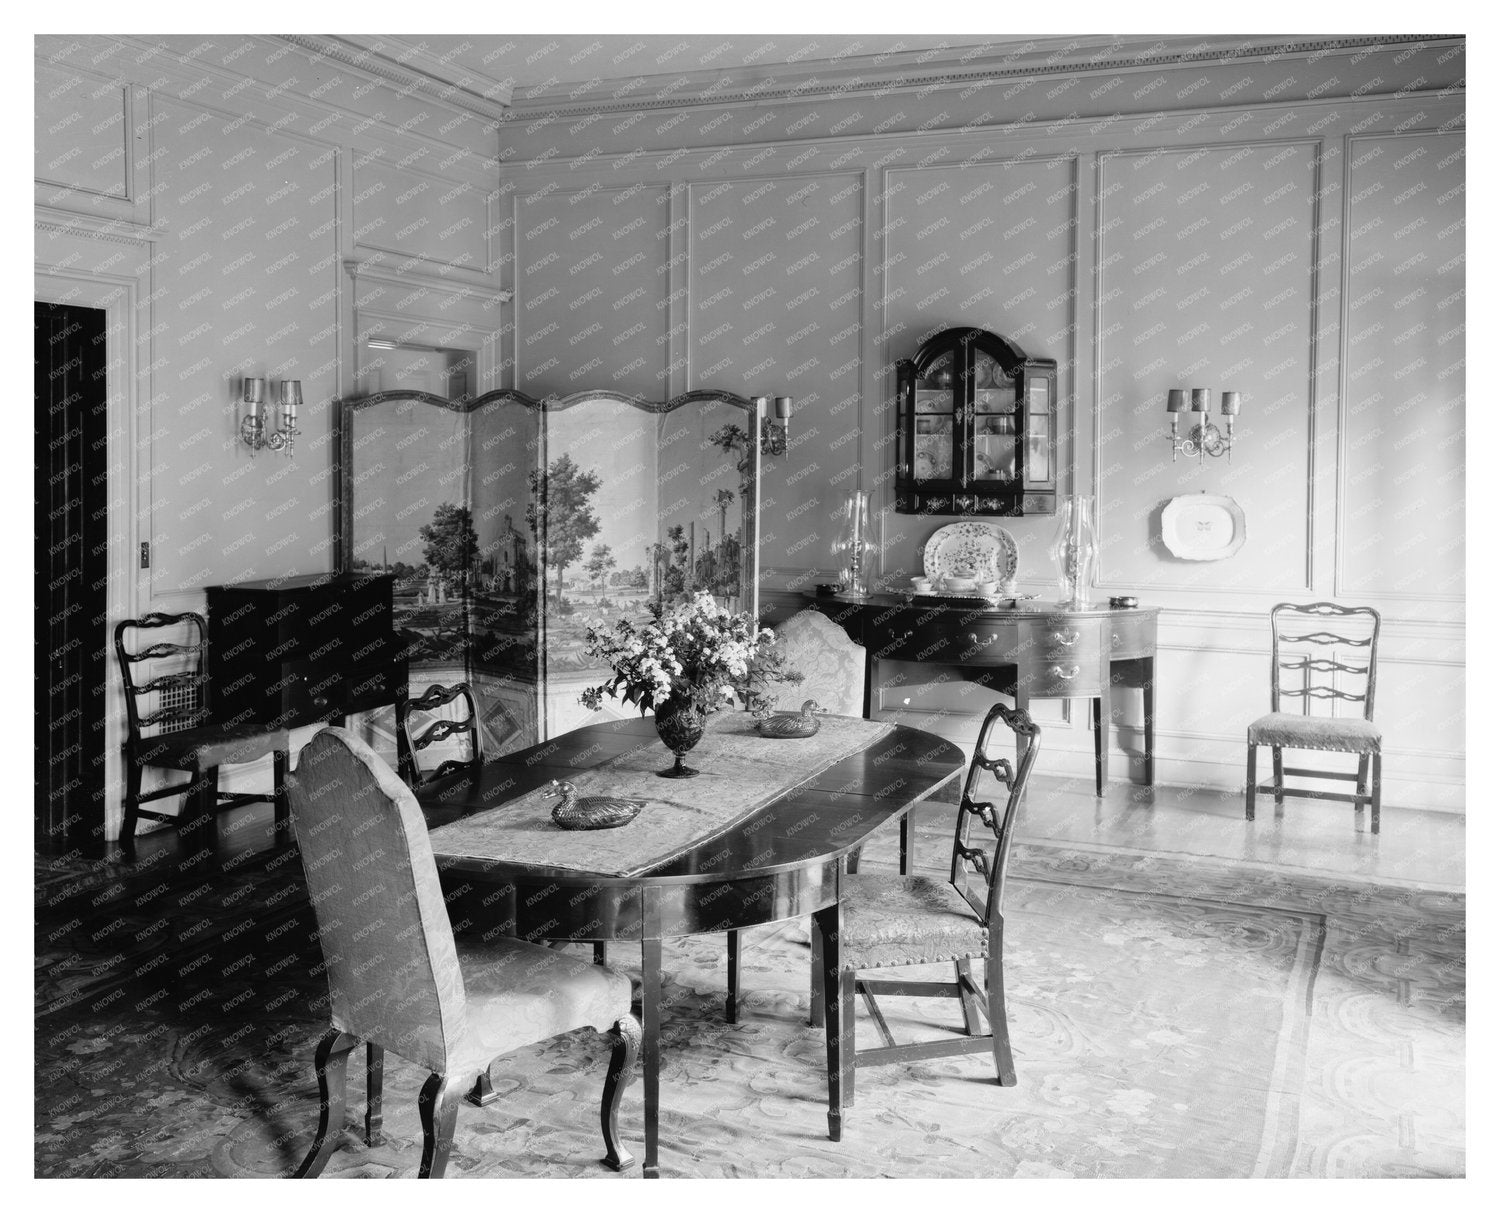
(1421, 849)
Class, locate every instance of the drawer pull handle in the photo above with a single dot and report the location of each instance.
(975, 640)
(1058, 672)
(1114, 638)
(1069, 639)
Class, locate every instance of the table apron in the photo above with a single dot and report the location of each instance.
(540, 909)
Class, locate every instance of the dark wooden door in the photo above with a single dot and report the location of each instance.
(71, 495)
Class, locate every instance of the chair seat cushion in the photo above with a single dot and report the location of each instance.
(1348, 735)
(519, 993)
(210, 746)
(903, 920)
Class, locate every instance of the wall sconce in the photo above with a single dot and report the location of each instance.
(773, 434)
(1205, 438)
(253, 426)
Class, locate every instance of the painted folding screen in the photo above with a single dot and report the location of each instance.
(511, 524)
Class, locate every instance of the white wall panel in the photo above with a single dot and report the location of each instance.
(774, 309)
(1206, 279)
(437, 220)
(1403, 432)
(592, 292)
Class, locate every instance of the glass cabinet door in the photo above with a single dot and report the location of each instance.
(934, 422)
(996, 423)
(1037, 387)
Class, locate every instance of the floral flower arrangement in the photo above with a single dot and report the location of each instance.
(697, 651)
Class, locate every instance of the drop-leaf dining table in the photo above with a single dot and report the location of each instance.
(761, 835)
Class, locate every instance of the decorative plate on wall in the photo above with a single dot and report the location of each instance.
(1203, 526)
(970, 549)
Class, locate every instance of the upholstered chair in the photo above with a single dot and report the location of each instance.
(833, 674)
(1301, 635)
(396, 977)
(832, 666)
(888, 923)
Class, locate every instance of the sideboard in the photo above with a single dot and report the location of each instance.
(1033, 651)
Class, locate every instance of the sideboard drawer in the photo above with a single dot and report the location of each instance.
(1132, 635)
(1058, 677)
(1077, 641)
(949, 637)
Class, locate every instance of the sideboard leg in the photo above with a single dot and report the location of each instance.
(1148, 714)
(1101, 743)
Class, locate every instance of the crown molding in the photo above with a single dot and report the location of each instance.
(926, 70)
(977, 139)
(284, 104)
(412, 70)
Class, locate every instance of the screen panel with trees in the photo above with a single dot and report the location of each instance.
(512, 523)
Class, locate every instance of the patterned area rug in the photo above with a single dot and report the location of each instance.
(1170, 1018)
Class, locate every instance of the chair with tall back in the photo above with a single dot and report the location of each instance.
(893, 922)
(1306, 630)
(398, 979)
(440, 727)
(168, 725)
(832, 666)
(833, 675)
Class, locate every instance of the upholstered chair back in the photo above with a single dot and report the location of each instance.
(832, 665)
(393, 975)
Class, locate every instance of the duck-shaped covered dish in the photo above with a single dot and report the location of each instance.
(790, 724)
(575, 812)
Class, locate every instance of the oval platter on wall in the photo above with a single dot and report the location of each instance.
(1203, 526)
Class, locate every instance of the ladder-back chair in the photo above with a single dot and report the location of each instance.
(889, 922)
(168, 725)
(1300, 634)
(429, 704)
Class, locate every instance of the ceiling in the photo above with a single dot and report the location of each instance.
(534, 66)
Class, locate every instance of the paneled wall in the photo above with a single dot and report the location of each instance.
(226, 194)
(1287, 224)
(239, 209)
(1239, 225)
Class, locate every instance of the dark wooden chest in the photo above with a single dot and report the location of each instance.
(302, 650)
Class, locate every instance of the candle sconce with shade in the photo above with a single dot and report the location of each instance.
(1205, 438)
(775, 428)
(254, 431)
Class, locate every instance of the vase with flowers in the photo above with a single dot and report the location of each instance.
(682, 664)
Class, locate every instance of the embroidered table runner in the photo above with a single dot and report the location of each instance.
(739, 772)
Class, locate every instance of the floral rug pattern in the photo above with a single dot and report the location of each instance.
(1170, 1017)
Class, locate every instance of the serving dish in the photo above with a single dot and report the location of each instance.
(979, 551)
(1203, 526)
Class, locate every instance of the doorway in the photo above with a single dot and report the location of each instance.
(71, 576)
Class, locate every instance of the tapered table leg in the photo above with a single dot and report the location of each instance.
(374, 1093)
(836, 1031)
(651, 1047)
(815, 984)
(732, 997)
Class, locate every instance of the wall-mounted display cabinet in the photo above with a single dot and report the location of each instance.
(976, 428)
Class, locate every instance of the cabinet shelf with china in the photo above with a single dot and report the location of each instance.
(976, 428)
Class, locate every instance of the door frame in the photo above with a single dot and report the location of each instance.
(59, 279)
